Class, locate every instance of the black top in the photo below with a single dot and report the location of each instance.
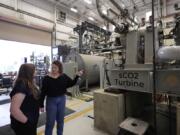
(29, 106)
(53, 87)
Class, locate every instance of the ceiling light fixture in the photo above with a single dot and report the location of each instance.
(90, 18)
(104, 12)
(88, 1)
(123, 6)
(74, 10)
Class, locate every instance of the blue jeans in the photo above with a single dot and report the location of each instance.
(55, 110)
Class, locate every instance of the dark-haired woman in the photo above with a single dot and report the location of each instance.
(24, 108)
(54, 87)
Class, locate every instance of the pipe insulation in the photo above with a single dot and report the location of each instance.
(122, 28)
(168, 53)
(122, 11)
(104, 16)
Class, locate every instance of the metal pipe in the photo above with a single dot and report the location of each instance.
(53, 40)
(170, 114)
(55, 13)
(154, 70)
(117, 15)
(159, 8)
(178, 119)
(122, 11)
(168, 53)
(120, 27)
(165, 7)
(104, 16)
(107, 26)
(16, 4)
(112, 11)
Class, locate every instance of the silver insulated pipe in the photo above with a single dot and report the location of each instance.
(104, 16)
(122, 11)
(168, 53)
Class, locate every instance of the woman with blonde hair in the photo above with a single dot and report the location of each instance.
(24, 108)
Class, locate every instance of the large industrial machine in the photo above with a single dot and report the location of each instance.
(137, 64)
(91, 66)
(146, 67)
(92, 39)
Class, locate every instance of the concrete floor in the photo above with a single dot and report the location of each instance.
(78, 123)
(82, 125)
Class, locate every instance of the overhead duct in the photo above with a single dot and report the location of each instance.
(122, 11)
(121, 27)
(104, 16)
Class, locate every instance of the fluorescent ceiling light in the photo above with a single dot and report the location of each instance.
(74, 10)
(88, 1)
(104, 12)
(123, 6)
(90, 18)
